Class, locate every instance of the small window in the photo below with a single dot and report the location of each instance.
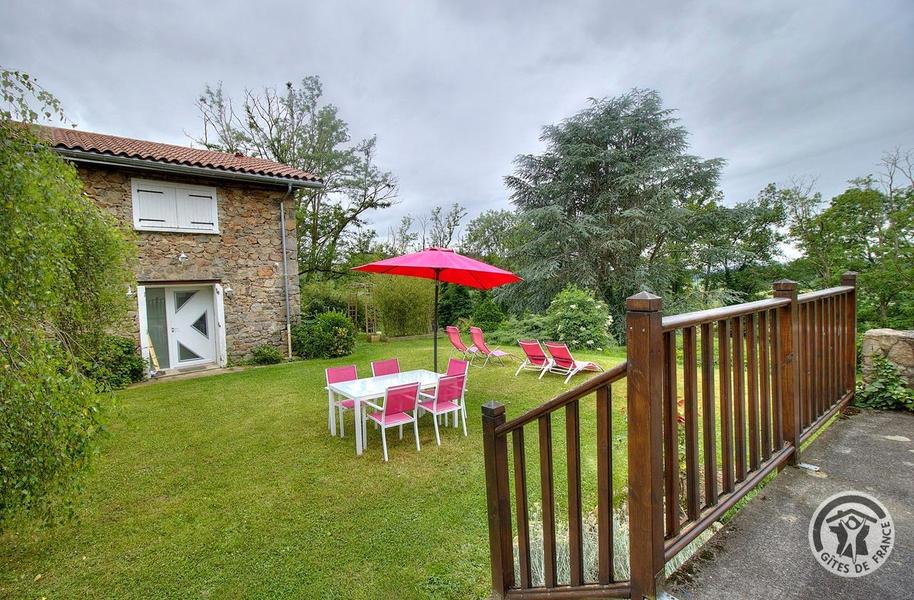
(162, 206)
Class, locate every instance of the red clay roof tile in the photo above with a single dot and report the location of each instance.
(100, 143)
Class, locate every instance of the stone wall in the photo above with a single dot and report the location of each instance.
(245, 256)
(897, 346)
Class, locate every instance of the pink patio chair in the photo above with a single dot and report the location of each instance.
(453, 334)
(483, 349)
(399, 402)
(339, 375)
(390, 366)
(447, 399)
(455, 367)
(535, 357)
(565, 364)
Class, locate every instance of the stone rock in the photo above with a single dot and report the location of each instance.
(243, 256)
(896, 346)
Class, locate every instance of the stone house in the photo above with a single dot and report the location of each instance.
(217, 269)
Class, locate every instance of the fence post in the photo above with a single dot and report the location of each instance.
(495, 452)
(788, 331)
(850, 279)
(645, 452)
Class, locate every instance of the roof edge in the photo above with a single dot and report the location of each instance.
(84, 156)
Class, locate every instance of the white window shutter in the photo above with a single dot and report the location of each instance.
(155, 206)
(196, 209)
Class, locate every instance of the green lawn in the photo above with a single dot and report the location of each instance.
(231, 486)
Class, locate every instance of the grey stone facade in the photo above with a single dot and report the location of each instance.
(896, 346)
(245, 256)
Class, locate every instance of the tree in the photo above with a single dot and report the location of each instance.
(64, 272)
(494, 236)
(612, 190)
(871, 231)
(444, 227)
(293, 127)
(731, 247)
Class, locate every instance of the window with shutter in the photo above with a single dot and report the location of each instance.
(160, 206)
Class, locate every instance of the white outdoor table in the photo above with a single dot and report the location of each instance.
(371, 388)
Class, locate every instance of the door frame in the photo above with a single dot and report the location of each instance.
(221, 357)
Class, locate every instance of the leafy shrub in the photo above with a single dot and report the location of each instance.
(64, 271)
(486, 314)
(455, 303)
(116, 363)
(578, 319)
(266, 355)
(405, 304)
(886, 389)
(527, 327)
(320, 298)
(329, 335)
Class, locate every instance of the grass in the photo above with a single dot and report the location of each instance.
(230, 486)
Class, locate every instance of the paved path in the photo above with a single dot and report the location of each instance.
(763, 551)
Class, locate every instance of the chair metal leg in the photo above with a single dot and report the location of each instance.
(437, 437)
(463, 411)
(401, 432)
(416, 433)
(384, 441)
(342, 429)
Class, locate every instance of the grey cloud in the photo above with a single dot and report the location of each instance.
(455, 90)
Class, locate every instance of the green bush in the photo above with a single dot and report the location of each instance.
(405, 304)
(64, 270)
(455, 303)
(486, 314)
(514, 329)
(578, 319)
(266, 355)
(317, 298)
(329, 335)
(116, 363)
(886, 389)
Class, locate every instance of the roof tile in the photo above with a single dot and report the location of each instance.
(100, 143)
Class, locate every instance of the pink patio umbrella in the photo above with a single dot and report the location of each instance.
(442, 264)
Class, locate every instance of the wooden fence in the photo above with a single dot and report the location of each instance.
(758, 379)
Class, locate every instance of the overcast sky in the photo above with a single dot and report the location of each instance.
(456, 90)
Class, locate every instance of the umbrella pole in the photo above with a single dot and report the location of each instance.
(435, 322)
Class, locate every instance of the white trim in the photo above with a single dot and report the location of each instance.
(220, 358)
(137, 225)
(144, 324)
(221, 354)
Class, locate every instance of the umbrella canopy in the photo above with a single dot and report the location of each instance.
(442, 264)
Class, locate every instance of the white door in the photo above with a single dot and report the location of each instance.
(192, 325)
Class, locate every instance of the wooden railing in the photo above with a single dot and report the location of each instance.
(758, 379)
(495, 441)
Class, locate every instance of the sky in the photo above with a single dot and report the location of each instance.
(455, 90)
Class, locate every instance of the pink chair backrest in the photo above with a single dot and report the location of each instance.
(561, 354)
(401, 398)
(450, 389)
(478, 340)
(534, 351)
(385, 367)
(455, 366)
(340, 374)
(453, 334)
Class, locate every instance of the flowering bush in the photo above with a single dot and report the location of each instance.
(578, 319)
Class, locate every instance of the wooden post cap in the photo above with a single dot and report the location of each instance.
(849, 278)
(493, 409)
(644, 302)
(785, 284)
